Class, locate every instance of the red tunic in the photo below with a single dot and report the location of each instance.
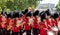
(25, 20)
(8, 20)
(15, 21)
(3, 26)
(16, 29)
(59, 17)
(0, 26)
(49, 24)
(55, 22)
(36, 25)
(43, 29)
(27, 27)
(0, 19)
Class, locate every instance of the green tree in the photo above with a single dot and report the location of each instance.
(18, 4)
(2, 4)
(58, 6)
(23, 4)
(9, 5)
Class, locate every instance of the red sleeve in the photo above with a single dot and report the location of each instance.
(0, 19)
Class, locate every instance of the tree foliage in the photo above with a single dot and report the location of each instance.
(18, 4)
(58, 6)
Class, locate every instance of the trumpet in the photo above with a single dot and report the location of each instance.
(19, 23)
(9, 27)
(3, 24)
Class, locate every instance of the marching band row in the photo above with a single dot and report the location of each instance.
(34, 25)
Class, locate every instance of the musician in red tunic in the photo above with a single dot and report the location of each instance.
(43, 27)
(9, 27)
(8, 20)
(0, 18)
(57, 18)
(36, 26)
(49, 22)
(27, 26)
(2, 25)
(17, 28)
(43, 30)
(52, 24)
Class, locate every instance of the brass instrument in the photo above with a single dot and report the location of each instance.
(9, 27)
(19, 23)
(3, 24)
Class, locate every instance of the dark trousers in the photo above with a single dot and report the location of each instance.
(15, 33)
(20, 33)
(35, 31)
(58, 33)
(2, 31)
(28, 32)
(9, 32)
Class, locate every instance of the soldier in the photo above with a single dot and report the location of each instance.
(35, 27)
(17, 28)
(43, 29)
(3, 26)
(43, 25)
(56, 16)
(9, 27)
(35, 23)
(28, 26)
(51, 24)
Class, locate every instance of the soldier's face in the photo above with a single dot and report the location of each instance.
(57, 18)
(44, 20)
(28, 17)
(48, 16)
(16, 18)
(39, 19)
(3, 18)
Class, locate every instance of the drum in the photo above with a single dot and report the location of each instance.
(55, 28)
(50, 33)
